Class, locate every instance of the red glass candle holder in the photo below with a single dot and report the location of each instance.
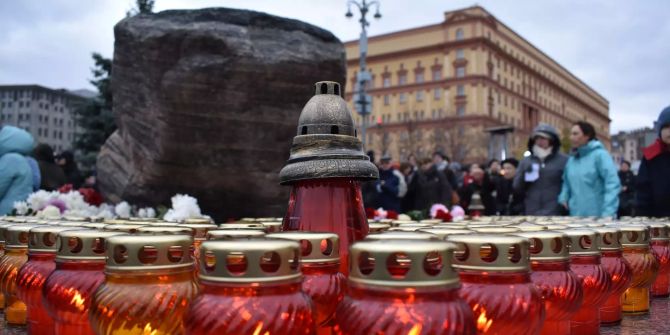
(200, 230)
(495, 275)
(635, 240)
(560, 288)
(328, 205)
(250, 287)
(3, 228)
(618, 269)
(397, 287)
(660, 248)
(148, 285)
(32, 275)
(16, 254)
(68, 291)
(585, 262)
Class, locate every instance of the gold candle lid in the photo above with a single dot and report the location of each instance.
(148, 252)
(115, 221)
(487, 252)
(431, 221)
(94, 225)
(263, 220)
(248, 220)
(140, 219)
(402, 235)
(83, 244)
(415, 225)
(71, 223)
(583, 242)
(250, 261)
(378, 227)
(442, 233)
(126, 228)
(403, 228)
(200, 229)
(272, 226)
(457, 225)
(16, 236)
(395, 223)
(43, 238)
(164, 230)
(635, 236)
(233, 234)
(198, 221)
(253, 226)
(3, 229)
(609, 238)
(658, 231)
(314, 247)
(495, 230)
(396, 263)
(547, 245)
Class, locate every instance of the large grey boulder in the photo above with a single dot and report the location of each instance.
(207, 103)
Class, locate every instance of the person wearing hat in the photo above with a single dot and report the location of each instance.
(540, 174)
(653, 179)
(391, 186)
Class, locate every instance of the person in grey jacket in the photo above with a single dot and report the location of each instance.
(540, 175)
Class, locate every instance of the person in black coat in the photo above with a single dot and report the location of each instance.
(69, 166)
(52, 176)
(388, 186)
(408, 202)
(432, 187)
(508, 202)
(627, 195)
(653, 178)
(481, 184)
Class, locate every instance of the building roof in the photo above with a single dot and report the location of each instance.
(35, 87)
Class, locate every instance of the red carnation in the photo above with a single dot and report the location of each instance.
(67, 188)
(370, 213)
(90, 196)
(444, 216)
(393, 215)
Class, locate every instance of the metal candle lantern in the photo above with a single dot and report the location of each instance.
(324, 170)
(397, 287)
(560, 288)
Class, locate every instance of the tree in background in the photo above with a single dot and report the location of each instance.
(96, 118)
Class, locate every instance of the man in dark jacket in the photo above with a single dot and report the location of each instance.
(388, 186)
(540, 175)
(432, 187)
(627, 195)
(508, 202)
(653, 179)
(52, 176)
(481, 184)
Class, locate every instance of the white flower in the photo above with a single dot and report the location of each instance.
(48, 212)
(105, 214)
(183, 207)
(122, 210)
(38, 200)
(404, 217)
(146, 212)
(21, 207)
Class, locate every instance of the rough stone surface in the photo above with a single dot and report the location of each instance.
(207, 103)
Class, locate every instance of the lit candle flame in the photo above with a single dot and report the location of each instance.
(416, 330)
(78, 301)
(483, 324)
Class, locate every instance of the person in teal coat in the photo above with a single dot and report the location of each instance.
(16, 176)
(591, 184)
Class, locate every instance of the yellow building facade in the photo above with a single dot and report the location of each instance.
(442, 86)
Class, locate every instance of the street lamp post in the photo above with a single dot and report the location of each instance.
(362, 101)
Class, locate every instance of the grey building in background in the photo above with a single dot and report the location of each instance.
(48, 114)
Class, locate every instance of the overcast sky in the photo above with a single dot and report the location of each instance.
(621, 48)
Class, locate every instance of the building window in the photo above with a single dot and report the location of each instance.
(419, 77)
(460, 90)
(460, 72)
(437, 74)
(402, 98)
(459, 34)
(387, 82)
(460, 54)
(437, 93)
(419, 95)
(402, 79)
(460, 110)
(387, 100)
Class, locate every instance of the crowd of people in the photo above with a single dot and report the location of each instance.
(26, 167)
(547, 182)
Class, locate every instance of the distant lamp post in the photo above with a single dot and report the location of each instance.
(363, 101)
